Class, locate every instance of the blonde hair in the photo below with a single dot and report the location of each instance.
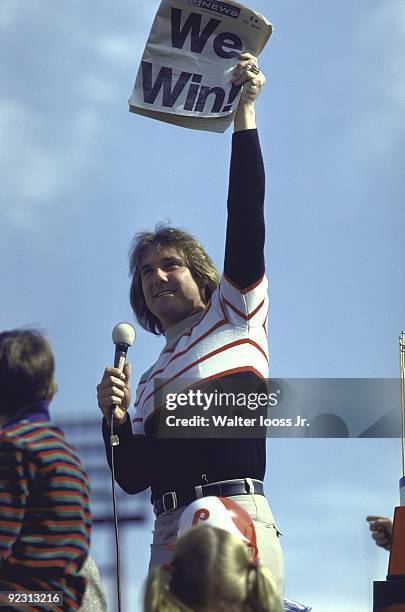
(194, 257)
(211, 571)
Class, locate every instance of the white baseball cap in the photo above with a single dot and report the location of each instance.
(223, 513)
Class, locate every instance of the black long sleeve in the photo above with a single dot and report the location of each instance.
(132, 458)
(245, 233)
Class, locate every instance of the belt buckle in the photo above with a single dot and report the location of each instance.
(199, 491)
(173, 497)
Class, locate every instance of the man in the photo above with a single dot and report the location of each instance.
(215, 331)
(44, 491)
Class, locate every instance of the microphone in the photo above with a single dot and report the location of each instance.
(123, 336)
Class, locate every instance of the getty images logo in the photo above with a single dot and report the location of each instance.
(217, 7)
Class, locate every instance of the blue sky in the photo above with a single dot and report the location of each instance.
(79, 175)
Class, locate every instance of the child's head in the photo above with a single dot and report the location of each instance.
(211, 571)
(26, 370)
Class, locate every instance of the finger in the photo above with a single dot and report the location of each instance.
(380, 535)
(113, 392)
(110, 383)
(111, 371)
(245, 67)
(379, 527)
(246, 56)
(112, 389)
(113, 377)
(114, 401)
(248, 77)
(108, 394)
(381, 542)
(248, 63)
(110, 400)
(376, 524)
(127, 372)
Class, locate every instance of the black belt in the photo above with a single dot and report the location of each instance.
(225, 488)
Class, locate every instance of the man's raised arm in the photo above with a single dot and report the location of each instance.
(244, 256)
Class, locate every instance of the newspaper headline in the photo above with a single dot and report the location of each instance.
(186, 68)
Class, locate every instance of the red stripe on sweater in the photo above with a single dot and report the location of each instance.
(197, 361)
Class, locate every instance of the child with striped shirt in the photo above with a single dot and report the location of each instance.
(45, 516)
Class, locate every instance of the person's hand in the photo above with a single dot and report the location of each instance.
(114, 390)
(381, 527)
(248, 74)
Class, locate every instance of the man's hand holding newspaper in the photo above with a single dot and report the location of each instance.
(186, 72)
(248, 76)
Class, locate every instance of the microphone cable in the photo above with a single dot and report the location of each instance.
(114, 441)
(123, 336)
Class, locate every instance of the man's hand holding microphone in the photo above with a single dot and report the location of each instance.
(114, 391)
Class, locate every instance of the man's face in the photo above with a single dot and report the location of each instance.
(170, 291)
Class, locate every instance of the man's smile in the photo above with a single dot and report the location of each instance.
(165, 292)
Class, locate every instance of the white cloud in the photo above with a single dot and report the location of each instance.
(118, 48)
(36, 172)
(56, 87)
(8, 13)
(99, 90)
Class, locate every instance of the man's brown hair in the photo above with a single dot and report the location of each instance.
(26, 369)
(193, 255)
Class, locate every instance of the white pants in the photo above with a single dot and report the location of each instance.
(267, 535)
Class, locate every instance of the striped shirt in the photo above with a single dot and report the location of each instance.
(229, 337)
(44, 511)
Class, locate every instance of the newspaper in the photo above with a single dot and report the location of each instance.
(186, 68)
